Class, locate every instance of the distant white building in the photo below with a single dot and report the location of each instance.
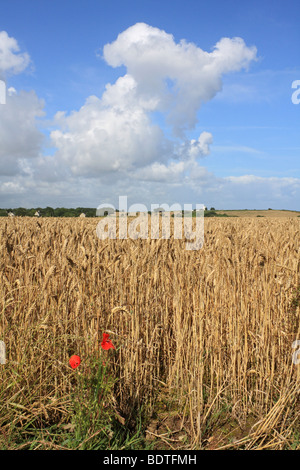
(11, 214)
(37, 214)
(82, 215)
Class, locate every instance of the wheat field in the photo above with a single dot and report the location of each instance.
(203, 337)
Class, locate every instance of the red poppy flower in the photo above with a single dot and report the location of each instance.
(106, 343)
(74, 361)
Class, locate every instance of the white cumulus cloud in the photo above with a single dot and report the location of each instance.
(133, 138)
(100, 138)
(117, 133)
(19, 134)
(179, 77)
(12, 61)
(20, 138)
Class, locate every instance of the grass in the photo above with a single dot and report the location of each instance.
(94, 422)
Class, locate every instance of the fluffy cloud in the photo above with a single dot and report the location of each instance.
(178, 78)
(198, 148)
(133, 137)
(20, 137)
(12, 61)
(117, 133)
(100, 138)
(264, 192)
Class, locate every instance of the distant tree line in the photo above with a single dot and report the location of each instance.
(212, 213)
(50, 212)
(88, 211)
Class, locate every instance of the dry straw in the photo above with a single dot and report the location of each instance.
(203, 331)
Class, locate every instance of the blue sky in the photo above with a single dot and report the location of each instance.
(148, 99)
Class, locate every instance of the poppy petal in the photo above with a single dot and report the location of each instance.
(106, 343)
(74, 361)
